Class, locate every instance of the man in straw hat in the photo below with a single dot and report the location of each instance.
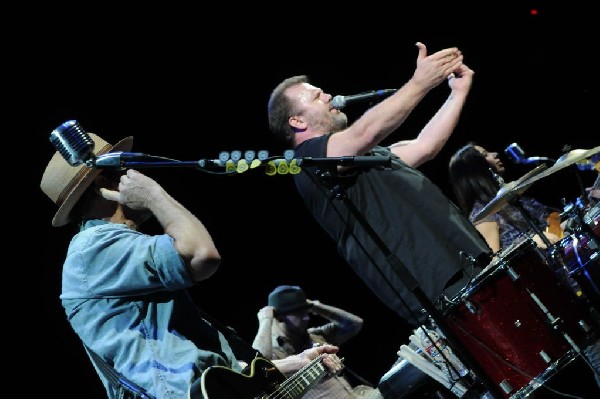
(124, 292)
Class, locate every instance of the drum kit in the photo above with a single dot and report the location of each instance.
(530, 312)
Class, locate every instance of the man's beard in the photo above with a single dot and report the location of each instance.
(338, 123)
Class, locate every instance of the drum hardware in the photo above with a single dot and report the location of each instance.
(545, 357)
(512, 274)
(554, 322)
(585, 327)
(470, 306)
(521, 333)
(506, 387)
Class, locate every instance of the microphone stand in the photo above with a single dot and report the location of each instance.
(124, 160)
(161, 164)
(410, 282)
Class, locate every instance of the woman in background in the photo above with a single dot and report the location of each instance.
(476, 178)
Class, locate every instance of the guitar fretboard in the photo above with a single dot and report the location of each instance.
(304, 379)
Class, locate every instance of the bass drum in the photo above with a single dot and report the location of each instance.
(519, 321)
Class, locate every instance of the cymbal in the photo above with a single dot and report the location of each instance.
(507, 193)
(568, 159)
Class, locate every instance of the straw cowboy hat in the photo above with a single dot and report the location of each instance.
(65, 184)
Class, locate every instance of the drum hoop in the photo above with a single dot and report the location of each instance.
(501, 262)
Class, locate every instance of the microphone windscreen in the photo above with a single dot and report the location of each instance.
(338, 102)
(515, 153)
(72, 142)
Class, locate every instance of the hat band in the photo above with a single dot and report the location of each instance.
(77, 179)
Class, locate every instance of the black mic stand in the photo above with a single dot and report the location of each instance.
(410, 282)
(124, 160)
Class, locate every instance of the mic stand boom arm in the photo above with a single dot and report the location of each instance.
(124, 160)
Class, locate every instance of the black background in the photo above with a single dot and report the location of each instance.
(190, 82)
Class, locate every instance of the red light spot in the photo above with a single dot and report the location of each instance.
(533, 11)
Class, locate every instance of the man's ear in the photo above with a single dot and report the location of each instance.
(297, 123)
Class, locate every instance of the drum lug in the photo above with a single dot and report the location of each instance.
(545, 357)
(506, 387)
(512, 274)
(470, 307)
(584, 326)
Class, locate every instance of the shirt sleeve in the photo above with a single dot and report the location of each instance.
(114, 261)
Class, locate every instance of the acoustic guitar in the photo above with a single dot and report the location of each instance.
(261, 380)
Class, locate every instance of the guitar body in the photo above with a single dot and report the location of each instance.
(262, 381)
(257, 381)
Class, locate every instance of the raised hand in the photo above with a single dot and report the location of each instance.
(135, 190)
(435, 68)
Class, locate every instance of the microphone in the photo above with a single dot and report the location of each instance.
(340, 102)
(76, 146)
(72, 142)
(516, 154)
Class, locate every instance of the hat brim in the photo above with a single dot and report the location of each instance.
(295, 309)
(88, 175)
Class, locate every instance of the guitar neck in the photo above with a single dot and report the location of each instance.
(301, 381)
(264, 381)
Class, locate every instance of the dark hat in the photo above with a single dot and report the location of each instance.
(288, 298)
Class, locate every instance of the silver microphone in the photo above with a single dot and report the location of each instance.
(77, 147)
(72, 142)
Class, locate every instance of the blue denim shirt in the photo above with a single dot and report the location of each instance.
(124, 294)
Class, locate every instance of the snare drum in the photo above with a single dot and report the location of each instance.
(518, 320)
